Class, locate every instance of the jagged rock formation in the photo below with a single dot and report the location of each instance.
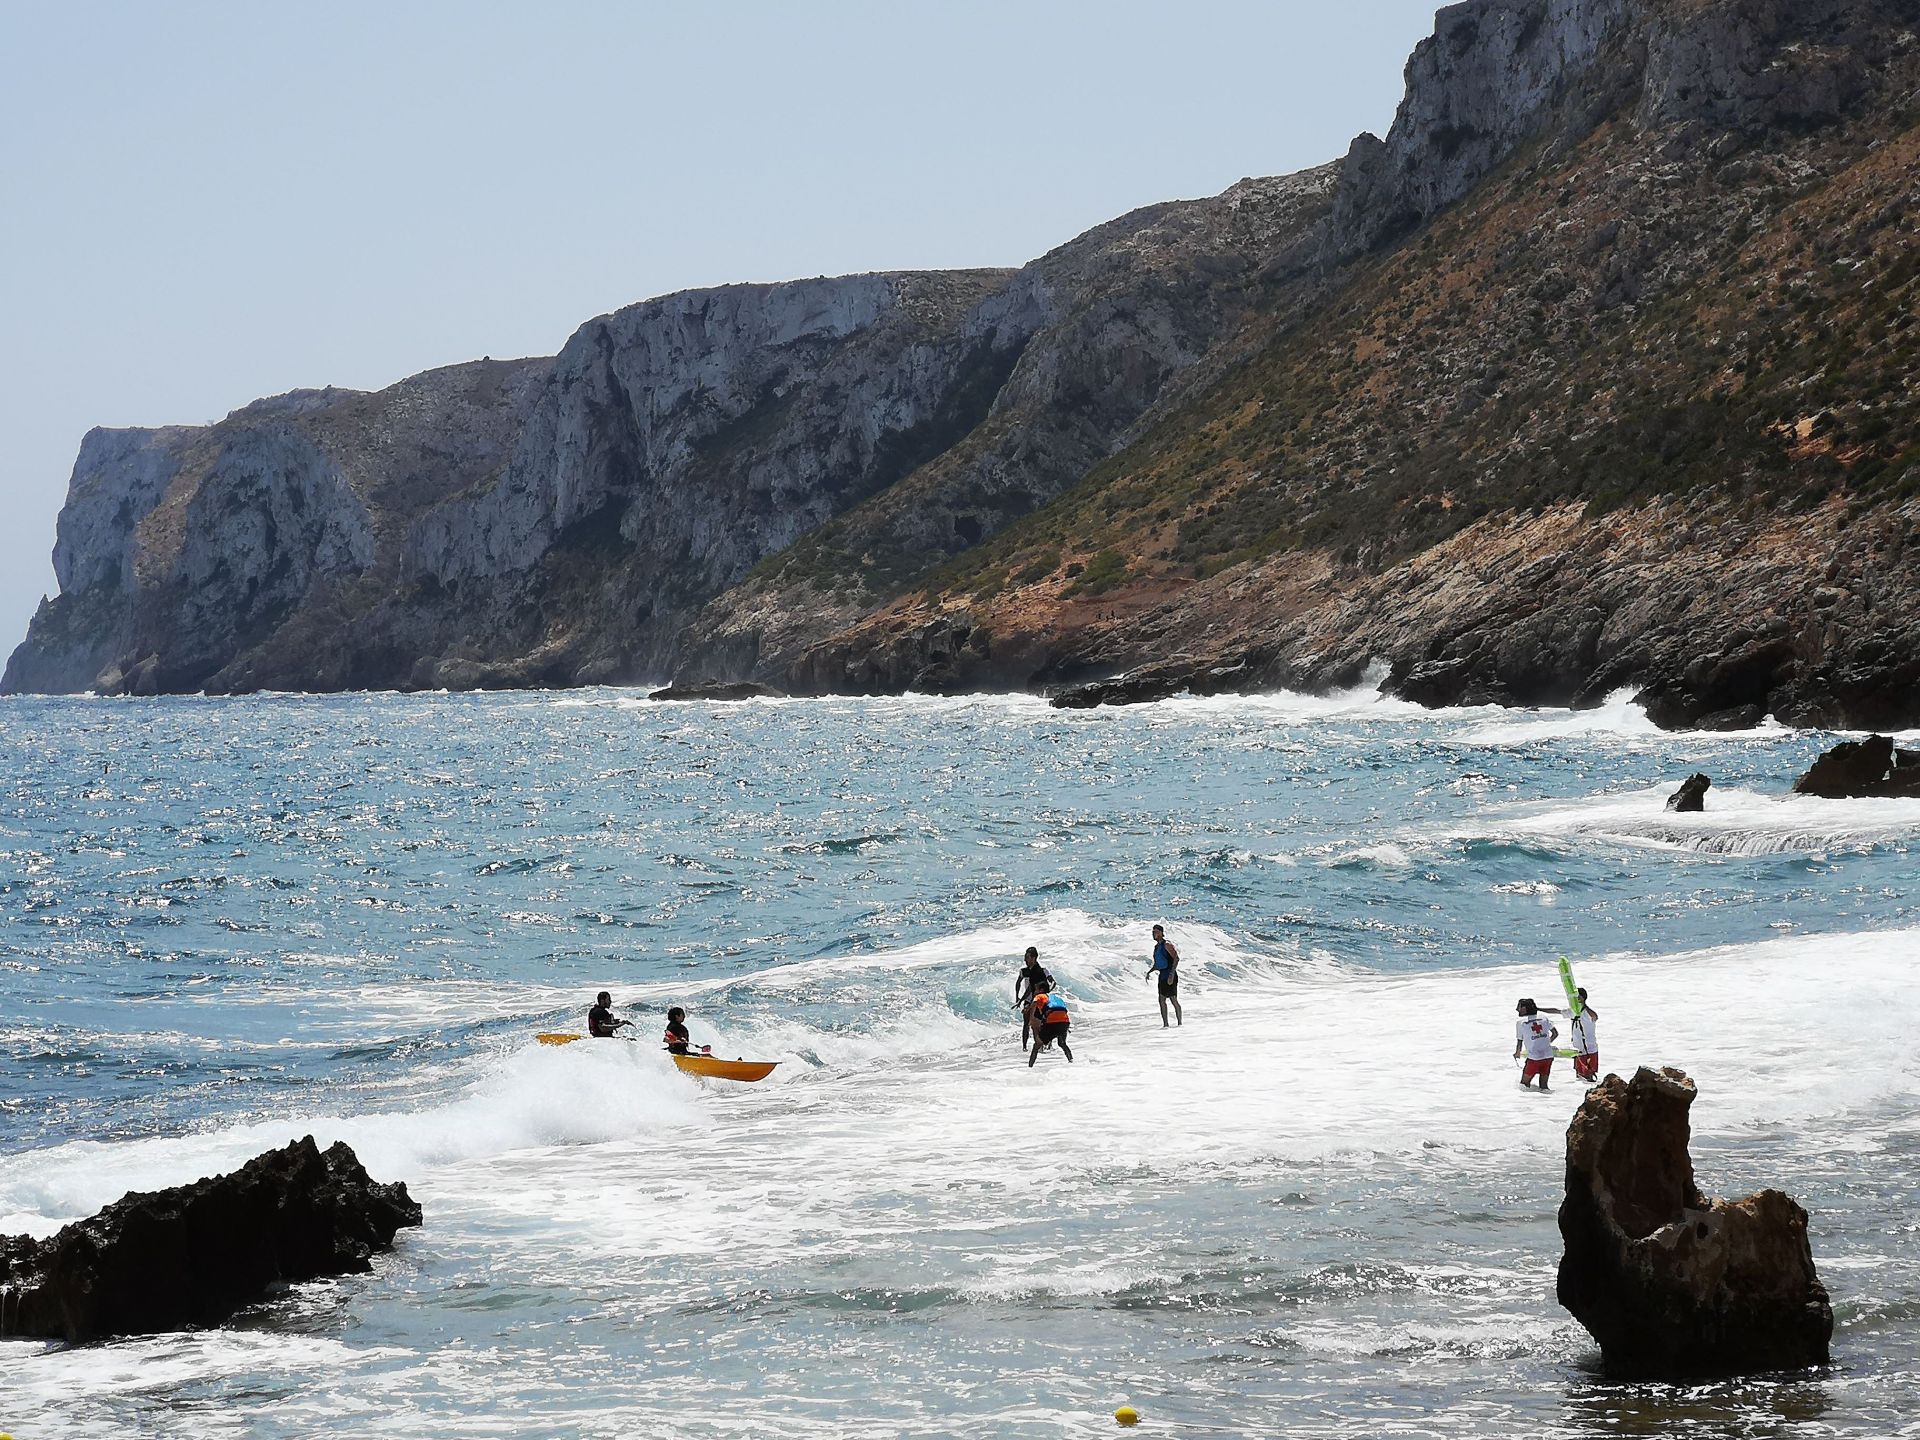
(1862, 769)
(1691, 797)
(1594, 374)
(195, 1254)
(1673, 1285)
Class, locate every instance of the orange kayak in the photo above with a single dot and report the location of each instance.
(712, 1067)
(716, 1069)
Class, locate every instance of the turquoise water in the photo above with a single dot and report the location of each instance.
(1322, 1207)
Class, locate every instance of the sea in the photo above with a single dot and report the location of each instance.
(1320, 1207)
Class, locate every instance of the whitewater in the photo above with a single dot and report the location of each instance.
(1322, 1207)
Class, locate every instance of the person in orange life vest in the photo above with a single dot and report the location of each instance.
(1586, 1040)
(676, 1036)
(1050, 1025)
(600, 1021)
(1534, 1034)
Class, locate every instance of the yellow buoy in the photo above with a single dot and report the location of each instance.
(1125, 1415)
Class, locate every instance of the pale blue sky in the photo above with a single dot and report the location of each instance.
(201, 203)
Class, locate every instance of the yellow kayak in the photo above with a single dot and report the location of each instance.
(710, 1066)
(717, 1069)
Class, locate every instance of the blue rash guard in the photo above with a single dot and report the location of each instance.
(1168, 966)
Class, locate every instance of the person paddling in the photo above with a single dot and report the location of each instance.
(676, 1037)
(1050, 1025)
(1032, 980)
(1534, 1034)
(600, 1022)
(1166, 965)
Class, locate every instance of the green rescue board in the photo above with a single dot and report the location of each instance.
(1566, 984)
(1573, 1000)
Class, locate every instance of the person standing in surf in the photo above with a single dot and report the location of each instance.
(1166, 965)
(1534, 1034)
(1032, 980)
(1586, 1040)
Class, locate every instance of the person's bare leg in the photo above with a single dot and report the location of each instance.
(1178, 1018)
(1163, 1012)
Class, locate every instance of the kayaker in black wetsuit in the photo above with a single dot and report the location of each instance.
(600, 1021)
(1032, 980)
(676, 1036)
(1166, 964)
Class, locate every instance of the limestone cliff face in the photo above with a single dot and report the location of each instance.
(1488, 79)
(538, 522)
(235, 555)
(1103, 332)
(681, 441)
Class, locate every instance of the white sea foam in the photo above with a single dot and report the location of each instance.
(535, 1097)
(1298, 1062)
(1736, 821)
(597, 1176)
(1386, 856)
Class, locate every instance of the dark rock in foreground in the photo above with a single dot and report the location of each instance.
(194, 1254)
(1673, 1285)
(717, 690)
(1861, 769)
(1691, 797)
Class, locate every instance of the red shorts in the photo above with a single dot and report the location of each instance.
(1587, 1067)
(1536, 1067)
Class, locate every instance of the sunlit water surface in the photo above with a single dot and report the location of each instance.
(1325, 1209)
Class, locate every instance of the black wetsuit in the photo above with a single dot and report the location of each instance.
(676, 1037)
(600, 1022)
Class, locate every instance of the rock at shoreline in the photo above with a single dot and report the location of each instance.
(716, 690)
(194, 1254)
(1141, 689)
(1861, 769)
(1673, 1285)
(1691, 797)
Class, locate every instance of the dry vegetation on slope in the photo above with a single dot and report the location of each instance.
(1697, 331)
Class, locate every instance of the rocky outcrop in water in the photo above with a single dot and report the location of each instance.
(195, 1254)
(1676, 1286)
(1691, 797)
(720, 690)
(1862, 769)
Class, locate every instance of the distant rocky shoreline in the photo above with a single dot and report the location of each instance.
(1591, 376)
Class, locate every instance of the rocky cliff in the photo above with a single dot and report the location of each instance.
(1594, 373)
(1634, 411)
